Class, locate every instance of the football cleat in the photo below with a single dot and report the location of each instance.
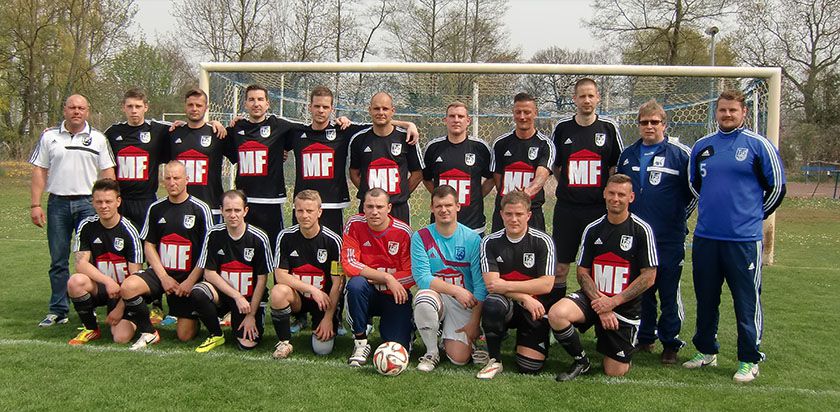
(669, 356)
(361, 351)
(300, 324)
(145, 339)
(282, 350)
(578, 367)
(747, 372)
(169, 320)
(210, 343)
(700, 360)
(225, 321)
(85, 336)
(52, 319)
(490, 370)
(156, 315)
(428, 362)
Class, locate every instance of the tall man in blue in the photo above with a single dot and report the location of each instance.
(445, 264)
(739, 180)
(658, 166)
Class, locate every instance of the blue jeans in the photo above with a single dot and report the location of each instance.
(63, 217)
(364, 302)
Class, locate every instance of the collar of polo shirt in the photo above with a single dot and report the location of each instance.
(85, 130)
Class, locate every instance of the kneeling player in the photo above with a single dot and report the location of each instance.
(307, 276)
(236, 259)
(518, 267)
(445, 265)
(107, 250)
(617, 264)
(376, 258)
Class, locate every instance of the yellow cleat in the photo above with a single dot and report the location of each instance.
(211, 343)
(156, 315)
(85, 336)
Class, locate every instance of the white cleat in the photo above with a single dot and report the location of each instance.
(490, 370)
(700, 361)
(361, 351)
(145, 340)
(428, 362)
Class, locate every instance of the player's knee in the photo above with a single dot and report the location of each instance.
(131, 287)
(458, 357)
(529, 365)
(322, 348)
(427, 311)
(559, 314)
(493, 314)
(186, 332)
(280, 296)
(122, 336)
(356, 285)
(246, 344)
(76, 284)
(616, 368)
(201, 292)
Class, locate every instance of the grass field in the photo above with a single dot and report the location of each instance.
(40, 371)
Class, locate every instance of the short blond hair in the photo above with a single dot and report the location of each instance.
(652, 107)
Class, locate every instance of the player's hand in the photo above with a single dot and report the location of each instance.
(471, 329)
(234, 120)
(115, 316)
(243, 305)
(396, 288)
(324, 331)
(531, 191)
(412, 134)
(499, 286)
(285, 155)
(343, 122)
(465, 298)
(249, 327)
(603, 304)
(534, 307)
(176, 124)
(609, 321)
(321, 299)
(218, 128)
(184, 288)
(37, 215)
(113, 289)
(169, 285)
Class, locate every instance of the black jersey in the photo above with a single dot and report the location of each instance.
(111, 250)
(461, 165)
(384, 162)
(257, 149)
(178, 230)
(517, 160)
(202, 153)
(585, 156)
(321, 162)
(615, 254)
(139, 151)
(313, 261)
(238, 261)
(528, 258)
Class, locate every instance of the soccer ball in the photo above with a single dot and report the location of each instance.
(390, 359)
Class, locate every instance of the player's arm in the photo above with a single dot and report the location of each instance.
(497, 181)
(223, 286)
(186, 286)
(414, 179)
(487, 186)
(169, 284)
(771, 178)
(218, 128)
(256, 297)
(83, 266)
(587, 284)
(356, 177)
(108, 173)
(134, 267)
(643, 282)
(540, 177)
(36, 190)
(412, 134)
(536, 286)
(284, 277)
(429, 185)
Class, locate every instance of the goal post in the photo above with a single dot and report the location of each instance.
(423, 90)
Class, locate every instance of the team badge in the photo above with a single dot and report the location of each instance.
(533, 152)
(265, 131)
(330, 133)
(460, 252)
(205, 140)
(145, 137)
(655, 178)
(393, 247)
(396, 149)
(528, 260)
(88, 140)
(600, 139)
(248, 253)
(189, 221)
(659, 161)
(469, 159)
(322, 255)
(741, 154)
(626, 242)
(119, 243)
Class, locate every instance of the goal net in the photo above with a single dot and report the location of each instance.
(422, 91)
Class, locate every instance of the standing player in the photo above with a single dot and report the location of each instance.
(375, 256)
(107, 250)
(307, 277)
(445, 264)
(739, 180)
(380, 157)
(522, 160)
(237, 260)
(518, 268)
(461, 162)
(588, 147)
(658, 166)
(173, 236)
(617, 264)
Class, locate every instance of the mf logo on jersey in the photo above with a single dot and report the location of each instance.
(741, 154)
(206, 140)
(655, 178)
(460, 252)
(189, 221)
(248, 253)
(393, 247)
(321, 255)
(533, 152)
(119, 244)
(626, 242)
(469, 159)
(600, 139)
(145, 137)
(528, 260)
(265, 131)
(330, 133)
(396, 149)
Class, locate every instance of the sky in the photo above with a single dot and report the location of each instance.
(532, 24)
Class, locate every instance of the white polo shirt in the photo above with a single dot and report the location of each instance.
(73, 160)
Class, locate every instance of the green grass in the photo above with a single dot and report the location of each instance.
(40, 371)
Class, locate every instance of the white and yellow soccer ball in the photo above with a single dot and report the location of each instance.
(390, 359)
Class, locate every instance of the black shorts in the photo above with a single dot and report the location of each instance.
(532, 334)
(615, 344)
(101, 298)
(228, 305)
(330, 218)
(569, 223)
(398, 210)
(268, 217)
(135, 210)
(309, 306)
(179, 306)
(537, 220)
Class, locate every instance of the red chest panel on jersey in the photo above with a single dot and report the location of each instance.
(584, 169)
(515, 276)
(113, 266)
(310, 275)
(238, 275)
(460, 181)
(611, 273)
(451, 276)
(175, 253)
(132, 164)
(196, 164)
(384, 174)
(517, 176)
(318, 162)
(253, 159)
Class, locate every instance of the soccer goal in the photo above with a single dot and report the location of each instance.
(422, 91)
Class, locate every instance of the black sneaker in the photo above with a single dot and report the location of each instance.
(578, 368)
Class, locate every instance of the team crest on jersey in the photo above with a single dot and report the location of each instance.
(145, 137)
(600, 139)
(741, 154)
(469, 159)
(533, 152)
(205, 140)
(659, 161)
(330, 134)
(393, 247)
(626, 242)
(396, 149)
(528, 260)
(248, 253)
(321, 255)
(265, 131)
(460, 252)
(119, 244)
(655, 178)
(88, 140)
(189, 221)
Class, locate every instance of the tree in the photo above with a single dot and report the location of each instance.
(649, 48)
(557, 89)
(225, 30)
